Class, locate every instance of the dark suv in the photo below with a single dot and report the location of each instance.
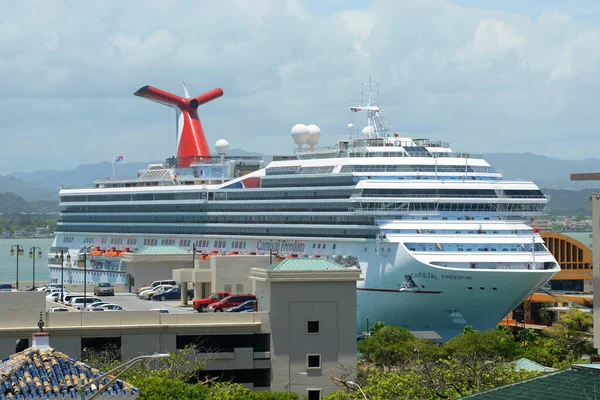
(104, 289)
(230, 301)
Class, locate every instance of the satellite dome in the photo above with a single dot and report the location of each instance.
(222, 146)
(368, 131)
(300, 134)
(314, 135)
(350, 127)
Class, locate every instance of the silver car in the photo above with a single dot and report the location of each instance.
(104, 289)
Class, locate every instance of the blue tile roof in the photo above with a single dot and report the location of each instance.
(35, 373)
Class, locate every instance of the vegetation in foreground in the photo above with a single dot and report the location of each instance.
(396, 365)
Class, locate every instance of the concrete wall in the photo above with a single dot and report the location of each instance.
(292, 304)
(145, 272)
(21, 309)
(234, 271)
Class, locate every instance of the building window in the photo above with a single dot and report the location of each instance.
(313, 394)
(227, 288)
(239, 288)
(312, 327)
(313, 361)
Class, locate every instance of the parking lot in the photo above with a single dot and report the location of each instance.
(132, 302)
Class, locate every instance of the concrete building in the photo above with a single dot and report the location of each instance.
(306, 324)
(312, 308)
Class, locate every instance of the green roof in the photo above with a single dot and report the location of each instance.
(528, 365)
(305, 264)
(574, 383)
(164, 250)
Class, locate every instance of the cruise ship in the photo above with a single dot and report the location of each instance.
(442, 241)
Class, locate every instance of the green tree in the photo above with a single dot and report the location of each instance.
(389, 346)
(572, 332)
(545, 314)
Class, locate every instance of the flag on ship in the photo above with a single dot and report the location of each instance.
(118, 158)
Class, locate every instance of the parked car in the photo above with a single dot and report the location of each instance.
(112, 307)
(201, 305)
(81, 302)
(94, 305)
(245, 306)
(161, 310)
(159, 289)
(68, 296)
(54, 296)
(230, 301)
(157, 283)
(143, 293)
(104, 289)
(6, 287)
(58, 309)
(171, 294)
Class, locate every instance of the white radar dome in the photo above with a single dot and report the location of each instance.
(222, 146)
(368, 131)
(314, 135)
(350, 127)
(300, 134)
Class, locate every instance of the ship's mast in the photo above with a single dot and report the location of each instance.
(375, 115)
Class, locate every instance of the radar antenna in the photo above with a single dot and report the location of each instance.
(375, 114)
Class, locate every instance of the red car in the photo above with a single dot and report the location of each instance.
(231, 301)
(201, 305)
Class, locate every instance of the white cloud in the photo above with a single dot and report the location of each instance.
(496, 37)
(447, 72)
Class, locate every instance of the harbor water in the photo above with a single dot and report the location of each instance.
(8, 263)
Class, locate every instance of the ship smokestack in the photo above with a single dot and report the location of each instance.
(192, 141)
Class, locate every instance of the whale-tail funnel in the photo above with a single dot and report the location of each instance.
(191, 142)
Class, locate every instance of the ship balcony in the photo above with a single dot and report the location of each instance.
(495, 260)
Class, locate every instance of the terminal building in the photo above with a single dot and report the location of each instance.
(571, 287)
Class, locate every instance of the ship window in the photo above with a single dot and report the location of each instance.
(334, 246)
(494, 288)
(470, 288)
(482, 288)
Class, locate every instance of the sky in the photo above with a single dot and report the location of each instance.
(485, 75)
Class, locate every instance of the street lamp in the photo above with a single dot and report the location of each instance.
(20, 252)
(125, 366)
(359, 388)
(288, 383)
(61, 258)
(32, 251)
(82, 263)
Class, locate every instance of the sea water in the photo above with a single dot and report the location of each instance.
(8, 263)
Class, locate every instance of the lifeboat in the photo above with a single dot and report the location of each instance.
(250, 253)
(213, 253)
(292, 256)
(233, 253)
(112, 252)
(96, 251)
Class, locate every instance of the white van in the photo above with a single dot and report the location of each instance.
(82, 302)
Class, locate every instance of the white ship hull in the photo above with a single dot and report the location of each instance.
(445, 300)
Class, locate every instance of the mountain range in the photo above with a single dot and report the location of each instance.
(549, 173)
